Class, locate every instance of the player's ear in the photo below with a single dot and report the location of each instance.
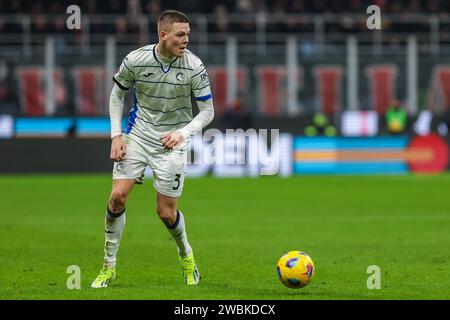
(163, 35)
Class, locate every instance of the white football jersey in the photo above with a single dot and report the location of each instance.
(162, 91)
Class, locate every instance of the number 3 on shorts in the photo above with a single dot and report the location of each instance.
(177, 180)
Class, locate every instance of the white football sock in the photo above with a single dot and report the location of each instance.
(114, 226)
(178, 232)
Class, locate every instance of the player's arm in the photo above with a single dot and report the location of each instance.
(123, 80)
(202, 93)
(118, 147)
(201, 120)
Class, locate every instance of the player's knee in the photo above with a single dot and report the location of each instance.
(166, 213)
(118, 199)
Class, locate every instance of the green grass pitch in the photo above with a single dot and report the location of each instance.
(238, 229)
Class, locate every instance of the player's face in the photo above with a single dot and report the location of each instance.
(177, 38)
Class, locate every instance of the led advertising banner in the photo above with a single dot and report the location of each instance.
(377, 155)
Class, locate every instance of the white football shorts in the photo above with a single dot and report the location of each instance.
(169, 167)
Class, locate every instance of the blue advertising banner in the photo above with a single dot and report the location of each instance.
(375, 155)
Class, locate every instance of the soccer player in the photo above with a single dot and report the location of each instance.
(164, 77)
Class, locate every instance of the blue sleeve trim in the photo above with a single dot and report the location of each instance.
(204, 97)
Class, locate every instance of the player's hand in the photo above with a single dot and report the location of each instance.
(171, 140)
(118, 148)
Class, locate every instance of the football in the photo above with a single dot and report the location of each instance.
(295, 269)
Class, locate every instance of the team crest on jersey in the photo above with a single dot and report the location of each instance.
(180, 76)
(204, 79)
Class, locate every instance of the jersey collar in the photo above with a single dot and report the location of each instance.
(162, 66)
